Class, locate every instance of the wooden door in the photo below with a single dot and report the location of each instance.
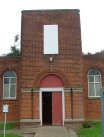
(56, 108)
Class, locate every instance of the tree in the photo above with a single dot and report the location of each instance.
(14, 50)
(99, 53)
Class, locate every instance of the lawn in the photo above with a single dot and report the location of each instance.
(8, 126)
(94, 131)
(9, 135)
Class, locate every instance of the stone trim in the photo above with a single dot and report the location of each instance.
(52, 89)
(29, 120)
(28, 90)
(74, 89)
(74, 120)
(52, 10)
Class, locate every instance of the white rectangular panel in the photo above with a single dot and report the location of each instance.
(50, 39)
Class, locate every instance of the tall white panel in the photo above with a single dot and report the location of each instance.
(50, 39)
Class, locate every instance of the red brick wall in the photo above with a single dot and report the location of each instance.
(29, 106)
(73, 105)
(78, 105)
(67, 64)
(68, 106)
(92, 105)
(12, 64)
(69, 59)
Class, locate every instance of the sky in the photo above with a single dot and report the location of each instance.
(91, 16)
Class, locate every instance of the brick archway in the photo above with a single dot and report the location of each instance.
(50, 81)
(51, 99)
(47, 72)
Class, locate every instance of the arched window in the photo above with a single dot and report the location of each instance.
(94, 83)
(9, 85)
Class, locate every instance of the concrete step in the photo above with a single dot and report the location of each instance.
(52, 131)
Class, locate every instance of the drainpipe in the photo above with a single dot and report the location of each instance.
(71, 93)
(32, 103)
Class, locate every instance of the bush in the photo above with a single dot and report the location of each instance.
(86, 124)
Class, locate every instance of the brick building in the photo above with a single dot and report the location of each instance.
(52, 82)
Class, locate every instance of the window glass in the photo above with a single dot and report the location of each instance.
(91, 89)
(9, 85)
(97, 79)
(98, 87)
(6, 91)
(10, 74)
(91, 79)
(94, 72)
(13, 80)
(94, 83)
(12, 91)
(6, 80)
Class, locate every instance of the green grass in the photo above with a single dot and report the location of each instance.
(8, 126)
(94, 131)
(9, 135)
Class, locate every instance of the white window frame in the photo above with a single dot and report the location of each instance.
(94, 83)
(9, 97)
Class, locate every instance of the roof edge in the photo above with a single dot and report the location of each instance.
(51, 10)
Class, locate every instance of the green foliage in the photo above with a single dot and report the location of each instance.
(8, 126)
(14, 50)
(99, 53)
(86, 124)
(94, 131)
(9, 135)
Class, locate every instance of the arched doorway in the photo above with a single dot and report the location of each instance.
(52, 98)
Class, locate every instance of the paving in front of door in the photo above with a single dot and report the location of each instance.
(52, 131)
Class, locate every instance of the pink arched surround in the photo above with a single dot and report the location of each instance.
(50, 81)
(53, 83)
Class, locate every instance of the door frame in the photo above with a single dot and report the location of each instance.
(63, 101)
